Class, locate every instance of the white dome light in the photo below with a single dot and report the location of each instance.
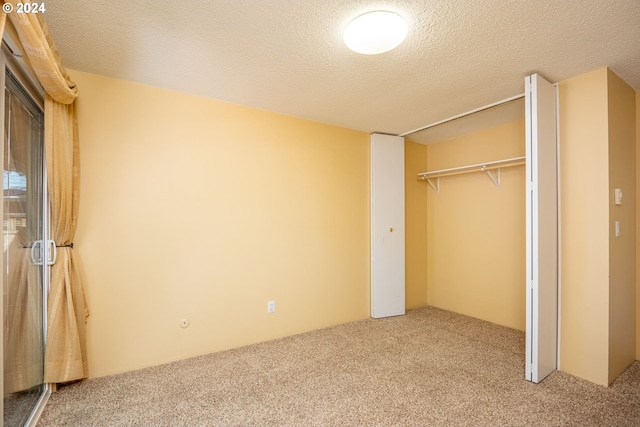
(375, 32)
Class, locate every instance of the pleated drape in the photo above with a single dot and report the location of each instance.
(65, 352)
(23, 352)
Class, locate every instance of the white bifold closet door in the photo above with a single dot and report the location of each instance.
(387, 226)
(542, 229)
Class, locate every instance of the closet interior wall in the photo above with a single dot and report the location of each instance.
(415, 159)
(475, 232)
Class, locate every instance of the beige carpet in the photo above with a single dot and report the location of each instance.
(428, 368)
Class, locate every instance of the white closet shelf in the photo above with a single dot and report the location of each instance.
(487, 167)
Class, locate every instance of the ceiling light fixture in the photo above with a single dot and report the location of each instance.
(375, 32)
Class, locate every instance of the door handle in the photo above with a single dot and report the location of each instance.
(36, 244)
(53, 249)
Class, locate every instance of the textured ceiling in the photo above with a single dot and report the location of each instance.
(287, 56)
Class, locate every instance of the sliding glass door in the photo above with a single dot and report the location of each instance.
(25, 254)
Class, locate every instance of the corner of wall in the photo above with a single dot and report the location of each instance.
(622, 246)
(415, 159)
(637, 225)
(585, 212)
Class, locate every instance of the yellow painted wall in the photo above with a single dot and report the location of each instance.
(415, 225)
(584, 187)
(476, 232)
(199, 209)
(622, 167)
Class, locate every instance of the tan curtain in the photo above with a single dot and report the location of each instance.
(65, 354)
(44, 56)
(23, 346)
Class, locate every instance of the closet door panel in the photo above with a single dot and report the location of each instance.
(542, 229)
(387, 226)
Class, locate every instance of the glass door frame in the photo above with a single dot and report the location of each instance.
(11, 59)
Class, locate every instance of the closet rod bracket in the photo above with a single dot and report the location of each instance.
(436, 186)
(494, 178)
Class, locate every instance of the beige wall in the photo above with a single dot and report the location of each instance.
(622, 166)
(476, 232)
(416, 225)
(584, 190)
(199, 209)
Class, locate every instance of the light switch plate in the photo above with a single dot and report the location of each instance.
(617, 196)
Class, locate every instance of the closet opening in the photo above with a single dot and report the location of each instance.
(491, 187)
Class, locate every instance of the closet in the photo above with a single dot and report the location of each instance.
(491, 188)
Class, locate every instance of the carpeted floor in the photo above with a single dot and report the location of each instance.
(428, 368)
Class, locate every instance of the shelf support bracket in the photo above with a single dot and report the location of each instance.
(494, 178)
(436, 187)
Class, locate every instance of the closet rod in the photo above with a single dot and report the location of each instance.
(459, 116)
(487, 167)
(515, 161)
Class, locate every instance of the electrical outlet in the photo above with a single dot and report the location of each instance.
(271, 307)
